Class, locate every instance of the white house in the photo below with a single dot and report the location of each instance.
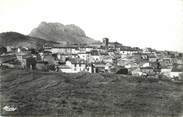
(75, 66)
(131, 65)
(137, 72)
(128, 51)
(84, 55)
(67, 69)
(152, 58)
(100, 67)
(147, 64)
(62, 50)
(107, 59)
(166, 71)
(95, 58)
(85, 49)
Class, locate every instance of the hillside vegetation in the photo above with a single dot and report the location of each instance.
(89, 95)
(19, 40)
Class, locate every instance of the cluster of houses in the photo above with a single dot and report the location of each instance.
(110, 57)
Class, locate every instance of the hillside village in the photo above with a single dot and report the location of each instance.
(98, 57)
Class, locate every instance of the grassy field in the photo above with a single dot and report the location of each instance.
(88, 95)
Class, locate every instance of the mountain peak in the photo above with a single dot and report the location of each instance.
(60, 33)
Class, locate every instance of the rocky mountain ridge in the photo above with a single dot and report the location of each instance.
(60, 33)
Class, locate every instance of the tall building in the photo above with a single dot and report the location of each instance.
(106, 42)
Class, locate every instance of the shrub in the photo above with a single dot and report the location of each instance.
(181, 76)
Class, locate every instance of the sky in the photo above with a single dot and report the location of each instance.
(139, 23)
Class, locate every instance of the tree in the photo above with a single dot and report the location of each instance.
(3, 50)
(181, 76)
(122, 71)
(180, 55)
(33, 51)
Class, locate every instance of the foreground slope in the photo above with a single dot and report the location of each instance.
(86, 95)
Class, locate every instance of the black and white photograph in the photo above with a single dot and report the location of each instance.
(91, 58)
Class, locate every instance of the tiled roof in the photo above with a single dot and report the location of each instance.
(73, 47)
(146, 68)
(77, 61)
(64, 67)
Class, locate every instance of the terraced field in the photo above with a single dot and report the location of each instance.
(35, 93)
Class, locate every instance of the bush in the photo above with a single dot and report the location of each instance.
(3, 50)
(181, 76)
